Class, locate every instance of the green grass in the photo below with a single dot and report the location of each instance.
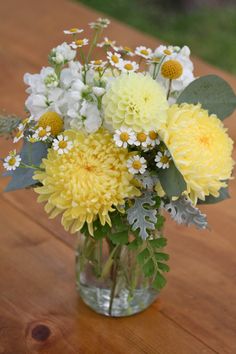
(210, 33)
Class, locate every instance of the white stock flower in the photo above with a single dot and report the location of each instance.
(98, 91)
(91, 113)
(62, 53)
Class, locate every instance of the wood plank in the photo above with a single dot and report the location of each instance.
(41, 311)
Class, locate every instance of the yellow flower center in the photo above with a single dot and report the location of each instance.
(25, 121)
(165, 159)
(18, 134)
(128, 66)
(167, 52)
(62, 144)
(52, 120)
(73, 30)
(98, 62)
(144, 52)
(152, 135)
(12, 161)
(124, 136)
(42, 133)
(115, 59)
(127, 49)
(141, 137)
(205, 140)
(172, 69)
(79, 42)
(136, 165)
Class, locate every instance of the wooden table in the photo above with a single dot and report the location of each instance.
(40, 311)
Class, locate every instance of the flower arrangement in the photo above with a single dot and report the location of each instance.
(110, 143)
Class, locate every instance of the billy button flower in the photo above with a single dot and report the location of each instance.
(52, 120)
(172, 69)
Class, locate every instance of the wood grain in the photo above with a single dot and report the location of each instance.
(40, 310)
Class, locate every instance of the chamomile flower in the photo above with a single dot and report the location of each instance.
(114, 58)
(79, 43)
(97, 64)
(162, 159)
(153, 139)
(124, 136)
(41, 134)
(19, 134)
(164, 50)
(127, 66)
(137, 164)
(73, 31)
(12, 161)
(107, 43)
(100, 23)
(62, 145)
(141, 139)
(143, 52)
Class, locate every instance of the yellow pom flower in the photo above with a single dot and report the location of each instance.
(52, 120)
(88, 182)
(200, 147)
(135, 101)
(172, 69)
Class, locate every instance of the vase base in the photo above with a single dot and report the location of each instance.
(99, 299)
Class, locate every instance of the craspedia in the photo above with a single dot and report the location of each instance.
(136, 101)
(172, 69)
(52, 120)
(200, 147)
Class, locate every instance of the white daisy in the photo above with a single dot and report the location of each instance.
(62, 145)
(142, 139)
(124, 136)
(143, 52)
(107, 43)
(162, 159)
(164, 50)
(41, 134)
(96, 64)
(12, 161)
(73, 31)
(137, 164)
(100, 23)
(127, 66)
(79, 43)
(153, 139)
(114, 58)
(19, 134)
(126, 51)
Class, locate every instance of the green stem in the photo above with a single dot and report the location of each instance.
(169, 89)
(114, 275)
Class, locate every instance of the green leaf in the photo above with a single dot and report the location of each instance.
(172, 181)
(118, 221)
(161, 256)
(120, 238)
(148, 268)
(159, 281)
(214, 94)
(135, 244)
(101, 231)
(158, 242)
(31, 154)
(143, 256)
(224, 194)
(163, 267)
(160, 222)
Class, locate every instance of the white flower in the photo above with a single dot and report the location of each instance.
(165, 50)
(39, 83)
(124, 136)
(100, 23)
(95, 64)
(107, 43)
(79, 43)
(12, 161)
(98, 91)
(127, 66)
(92, 114)
(62, 54)
(153, 139)
(19, 134)
(137, 164)
(142, 139)
(143, 52)
(126, 50)
(62, 145)
(70, 74)
(73, 31)
(41, 134)
(162, 159)
(114, 58)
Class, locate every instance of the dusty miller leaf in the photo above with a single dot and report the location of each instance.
(141, 215)
(148, 181)
(184, 212)
(8, 124)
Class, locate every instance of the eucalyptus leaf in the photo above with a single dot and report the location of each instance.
(172, 181)
(31, 154)
(223, 194)
(214, 94)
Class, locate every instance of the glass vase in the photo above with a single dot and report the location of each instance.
(109, 278)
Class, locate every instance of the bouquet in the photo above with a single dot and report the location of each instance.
(111, 144)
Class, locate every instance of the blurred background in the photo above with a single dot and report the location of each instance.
(208, 27)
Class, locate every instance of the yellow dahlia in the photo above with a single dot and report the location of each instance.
(86, 183)
(136, 101)
(200, 147)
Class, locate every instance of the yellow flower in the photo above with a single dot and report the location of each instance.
(135, 101)
(52, 120)
(200, 147)
(172, 69)
(88, 182)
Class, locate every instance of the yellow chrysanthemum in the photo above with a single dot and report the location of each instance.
(86, 183)
(136, 101)
(200, 147)
(52, 120)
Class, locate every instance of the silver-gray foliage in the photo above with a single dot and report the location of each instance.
(141, 215)
(184, 212)
(148, 181)
(8, 124)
